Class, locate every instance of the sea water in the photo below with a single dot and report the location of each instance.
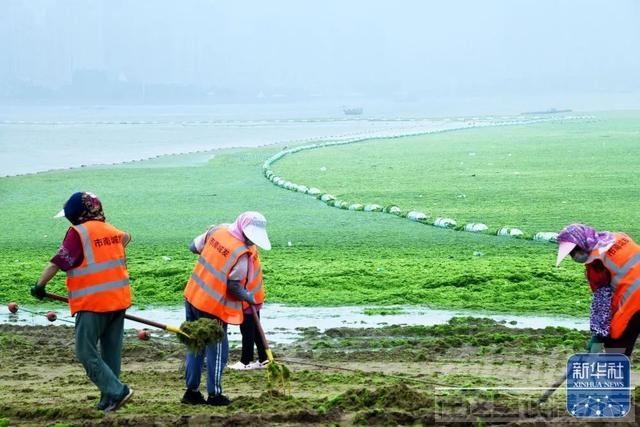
(36, 139)
(284, 324)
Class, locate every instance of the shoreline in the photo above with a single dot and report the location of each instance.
(45, 139)
(277, 319)
(45, 147)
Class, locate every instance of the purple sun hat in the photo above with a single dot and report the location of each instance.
(582, 236)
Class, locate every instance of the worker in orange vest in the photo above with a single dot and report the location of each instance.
(217, 288)
(612, 263)
(93, 256)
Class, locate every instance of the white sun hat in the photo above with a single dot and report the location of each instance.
(256, 231)
(564, 248)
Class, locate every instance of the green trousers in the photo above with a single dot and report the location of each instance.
(99, 349)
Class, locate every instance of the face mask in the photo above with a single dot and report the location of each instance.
(580, 256)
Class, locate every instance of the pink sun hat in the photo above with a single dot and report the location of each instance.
(253, 225)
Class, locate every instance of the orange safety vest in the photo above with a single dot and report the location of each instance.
(101, 282)
(206, 289)
(622, 260)
(255, 284)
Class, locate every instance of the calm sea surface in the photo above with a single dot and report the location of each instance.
(35, 139)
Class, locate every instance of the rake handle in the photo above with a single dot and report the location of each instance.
(547, 394)
(256, 319)
(147, 322)
(126, 316)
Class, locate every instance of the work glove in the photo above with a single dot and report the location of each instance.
(595, 344)
(38, 291)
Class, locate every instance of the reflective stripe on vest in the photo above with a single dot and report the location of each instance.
(635, 285)
(257, 275)
(622, 260)
(207, 287)
(86, 243)
(98, 288)
(222, 275)
(96, 267)
(236, 305)
(619, 272)
(255, 285)
(101, 282)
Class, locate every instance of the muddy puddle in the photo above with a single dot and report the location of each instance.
(284, 324)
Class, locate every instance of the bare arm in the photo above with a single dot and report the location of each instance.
(47, 274)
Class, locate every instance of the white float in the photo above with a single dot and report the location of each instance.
(475, 227)
(513, 232)
(546, 236)
(445, 222)
(416, 216)
(395, 210)
(373, 207)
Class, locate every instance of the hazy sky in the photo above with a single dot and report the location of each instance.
(331, 46)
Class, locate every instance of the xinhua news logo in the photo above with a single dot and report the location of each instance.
(598, 385)
(592, 386)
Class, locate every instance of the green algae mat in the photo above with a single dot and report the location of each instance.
(537, 177)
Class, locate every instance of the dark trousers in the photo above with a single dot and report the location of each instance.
(251, 337)
(99, 349)
(627, 340)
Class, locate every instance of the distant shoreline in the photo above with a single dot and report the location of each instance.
(45, 139)
(47, 145)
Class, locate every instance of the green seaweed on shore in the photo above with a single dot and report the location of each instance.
(201, 333)
(382, 311)
(278, 376)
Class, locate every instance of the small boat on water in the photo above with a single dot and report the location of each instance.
(352, 111)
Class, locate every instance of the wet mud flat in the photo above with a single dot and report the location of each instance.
(470, 370)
